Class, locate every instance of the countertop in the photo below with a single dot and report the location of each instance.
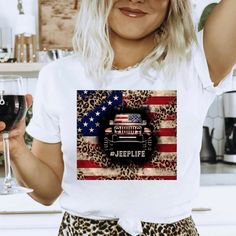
(26, 70)
(218, 174)
(211, 174)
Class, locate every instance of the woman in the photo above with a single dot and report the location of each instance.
(122, 45)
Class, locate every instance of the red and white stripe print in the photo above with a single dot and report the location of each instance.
(121, 118)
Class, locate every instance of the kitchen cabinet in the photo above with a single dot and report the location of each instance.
(214, 212)
(28, 225)
(22, 216)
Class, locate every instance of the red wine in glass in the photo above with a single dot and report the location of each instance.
(12, 110)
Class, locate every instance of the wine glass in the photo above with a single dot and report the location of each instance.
(12, 110)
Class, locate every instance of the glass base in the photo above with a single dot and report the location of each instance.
(14, 190)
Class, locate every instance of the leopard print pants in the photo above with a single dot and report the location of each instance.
(78, 226)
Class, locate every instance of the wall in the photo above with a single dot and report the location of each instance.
(8, 11)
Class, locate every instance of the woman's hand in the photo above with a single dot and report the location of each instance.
(40, 168)
(16, 135)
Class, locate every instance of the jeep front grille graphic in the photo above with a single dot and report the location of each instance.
(127, 130)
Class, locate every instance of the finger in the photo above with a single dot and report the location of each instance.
(19, 129)
(1, 147)
(29, 100)
(13, 133)
(20, 124)
(2, 125)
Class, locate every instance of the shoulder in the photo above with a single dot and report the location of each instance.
(61, 66)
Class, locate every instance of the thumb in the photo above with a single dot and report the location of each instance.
(2, 126)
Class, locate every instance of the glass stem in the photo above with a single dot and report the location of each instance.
(8, 178)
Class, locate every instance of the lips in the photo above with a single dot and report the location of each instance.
(132, 12)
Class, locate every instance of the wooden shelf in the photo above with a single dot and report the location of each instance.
(27, 70)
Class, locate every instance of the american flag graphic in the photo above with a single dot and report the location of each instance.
(128, 118)
(93, 107)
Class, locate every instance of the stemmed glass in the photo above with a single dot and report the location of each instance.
(12, 110)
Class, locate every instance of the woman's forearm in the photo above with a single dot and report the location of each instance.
(31, 172)
(220, 39)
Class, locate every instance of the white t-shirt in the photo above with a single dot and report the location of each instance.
(54, 120)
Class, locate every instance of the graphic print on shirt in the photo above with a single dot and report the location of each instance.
(126, 135)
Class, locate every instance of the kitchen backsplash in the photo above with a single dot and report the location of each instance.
(215, 120)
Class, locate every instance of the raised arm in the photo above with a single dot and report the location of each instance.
(220, 40)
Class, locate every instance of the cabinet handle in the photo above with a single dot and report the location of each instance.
(201, 209)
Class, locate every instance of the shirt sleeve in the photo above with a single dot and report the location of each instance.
(44, 125)
(201, 67)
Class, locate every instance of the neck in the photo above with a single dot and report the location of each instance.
(129, 52)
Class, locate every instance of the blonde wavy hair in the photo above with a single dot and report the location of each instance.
(91, 38)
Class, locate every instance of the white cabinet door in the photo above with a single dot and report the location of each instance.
(216, 230)
(20, 215)
(220, 218)
(29, 232)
